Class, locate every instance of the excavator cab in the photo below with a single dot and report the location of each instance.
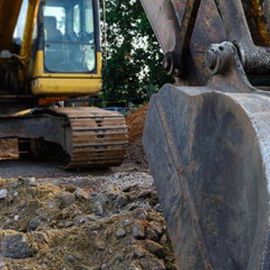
(68, 39)
(71, 42)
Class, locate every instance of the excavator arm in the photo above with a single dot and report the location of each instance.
(9, 12)
(212, 166)
(9, 17)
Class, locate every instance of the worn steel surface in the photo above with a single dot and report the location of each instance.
(209, 154)
(186, 28)
(89, 137)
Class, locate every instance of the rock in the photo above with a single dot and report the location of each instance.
(81, 194)
(34, 223)
(94, 233)
(131, 241)
(139, 253)
(153, 264)
(140, 213)
(67, 199)
(70, 188)
(68, 224)
(99, 204)
(16, 247)
(30, 181)
(151, 234)
(133, 206)
(157, 228)
(121, 201)
(3, 193)
(126, 222)
(98, 209)
(16, 218)
(81, 219)
(163, 239)
(92, 217)
(70, 258)
(133, 266)
(119, 257)
(104, 267)
(155, 248)
(120, 232)
(157, 208)
(101, 245)
(138, 231)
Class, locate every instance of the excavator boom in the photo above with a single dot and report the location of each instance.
(212, 166)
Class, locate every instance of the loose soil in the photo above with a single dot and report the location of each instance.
(93, 222)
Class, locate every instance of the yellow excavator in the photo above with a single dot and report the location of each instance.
(207, 137)
(50, 51)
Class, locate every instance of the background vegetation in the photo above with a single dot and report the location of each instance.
(133, 71)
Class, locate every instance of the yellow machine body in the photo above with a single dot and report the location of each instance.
(51, 84)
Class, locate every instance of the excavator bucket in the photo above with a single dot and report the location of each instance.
(212, 173)
(207, 138)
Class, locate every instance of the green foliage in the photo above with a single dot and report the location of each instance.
(134, 65)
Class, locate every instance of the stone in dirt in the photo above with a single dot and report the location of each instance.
(138, 230)
(120, 232)
(16, 247)
(155, 248)
(3, 193)
(81, 194)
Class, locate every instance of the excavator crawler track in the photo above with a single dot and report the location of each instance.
(99, 137)
(88, 137)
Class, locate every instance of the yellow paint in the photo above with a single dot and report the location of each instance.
(68, 84)
(21, 113)
(31, 19)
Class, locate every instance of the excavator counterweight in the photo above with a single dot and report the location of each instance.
(211, 167)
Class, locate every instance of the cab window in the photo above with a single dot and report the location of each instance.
(69, 36)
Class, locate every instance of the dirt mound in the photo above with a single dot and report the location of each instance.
(136, 155)
(135, 121)
(87, 223)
